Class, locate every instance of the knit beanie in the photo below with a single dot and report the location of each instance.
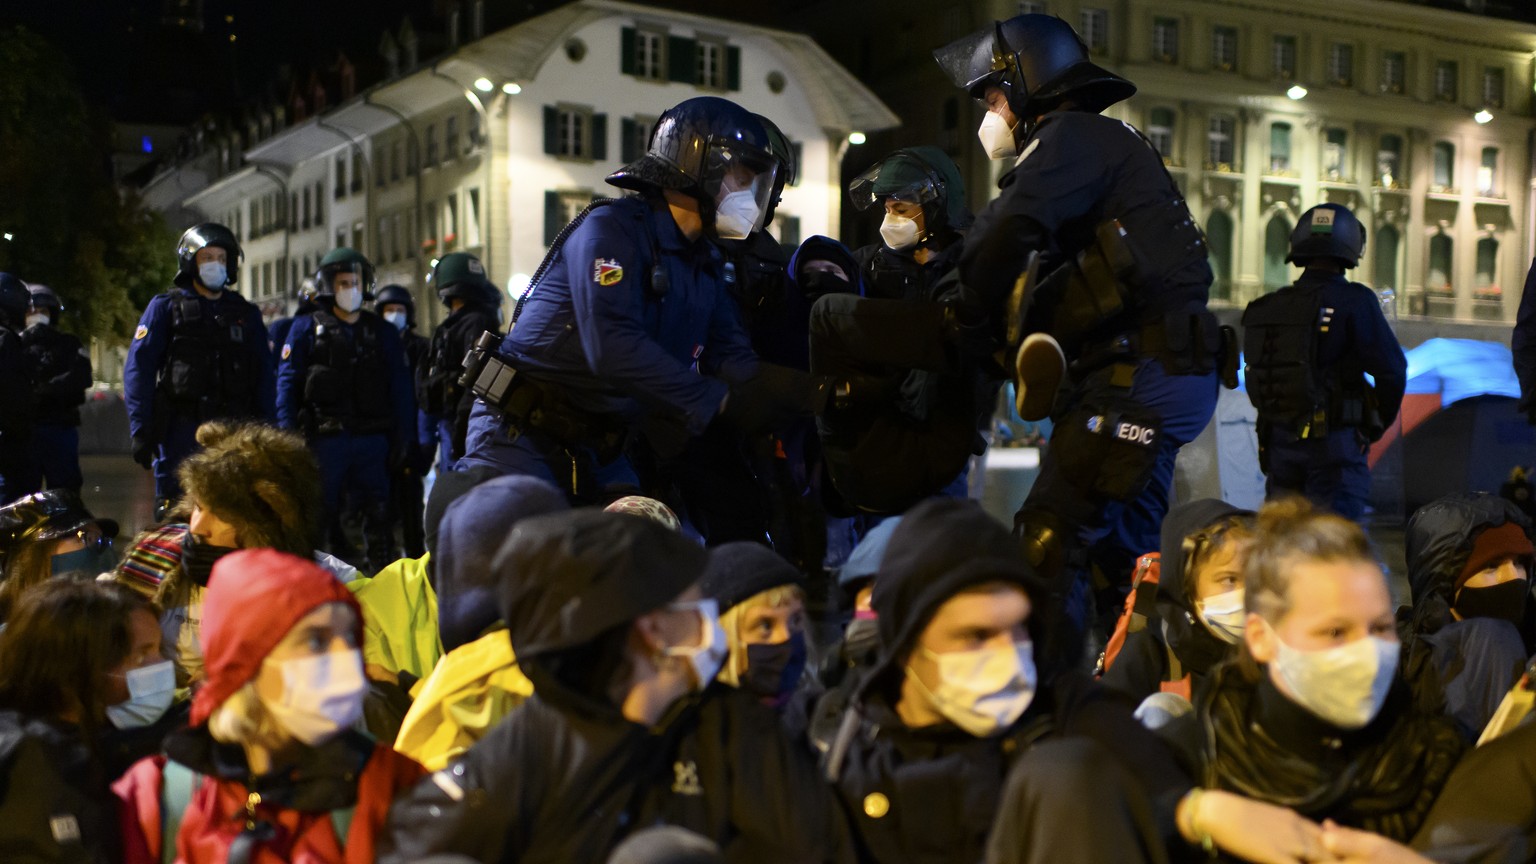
(1491, 546)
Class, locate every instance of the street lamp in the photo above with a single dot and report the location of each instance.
(856, 138)
(1483, 117)
(1297, 92)
(511, 88)
(484, 85)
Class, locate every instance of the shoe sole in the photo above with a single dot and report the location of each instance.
(1038, 369)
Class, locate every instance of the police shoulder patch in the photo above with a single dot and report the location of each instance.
(140, 333)
(606, 271)
(287, 349)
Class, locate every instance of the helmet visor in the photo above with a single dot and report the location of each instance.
(970, 60)
(198, 238)
(741, 182)
(895, 179)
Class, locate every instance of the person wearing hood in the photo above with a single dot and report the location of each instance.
(763, 616)
(1312, 715)
(49, 534)
(624, 730)
(272, 768)
(1469, 630)
(1196, 615)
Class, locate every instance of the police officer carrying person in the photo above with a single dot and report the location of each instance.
(626, 312)
(1309, 347)
(1091, 253)
(200, 353)
(395, 305)
(15, 391)
(474, 307)
(341, 380)
(61, 373)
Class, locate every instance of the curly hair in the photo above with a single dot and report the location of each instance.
(262, 480)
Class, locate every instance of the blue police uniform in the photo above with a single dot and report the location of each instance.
(194, 359)
(61, 373)
(599, 330)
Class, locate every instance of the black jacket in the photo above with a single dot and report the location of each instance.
(439, 373)
(1522, 342)
(55, 805)
(61, 373)
(16, 395)
(1486, 814)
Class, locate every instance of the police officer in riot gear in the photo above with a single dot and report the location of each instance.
(61, 373)
(474, 307)
(341, 380)
(200, 353)
(277, 331)
(627, 311)
(396, 306)
(15, 390)
(1090, 248)
(1309, 347)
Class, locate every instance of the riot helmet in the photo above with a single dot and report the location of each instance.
(198, 237)
(44, 297)
(337, 262)
(716, 152)
(1327, 231)
(391, 295)
(1038, 61)
(784, 152)
(461, 275)
(14, 300)
(922, 176)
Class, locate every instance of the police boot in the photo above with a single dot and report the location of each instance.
(1038, 370)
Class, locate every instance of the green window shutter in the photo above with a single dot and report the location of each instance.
(732, 67)
(627, 134)
(551, 130)
(600, 137)
(627, 51)
(552, 220)
(682, 62)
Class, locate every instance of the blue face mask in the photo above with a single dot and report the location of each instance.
(90, 561)
(213, 275)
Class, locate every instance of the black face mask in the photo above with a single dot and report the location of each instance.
(773, 671)
(198, 558)
(1505, 600)
(819, 282)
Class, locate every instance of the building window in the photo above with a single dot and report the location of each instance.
(1218, 242)
(386, 243)
(341, 236)
(341, 176)
(1160, 131)
(429, 235)
(645, 55)
(560, 207)
(1279, 148)
(357, 171)
(1282, 57)
(293, 212)
(1165, 40)
(306, 222)
(1386, 243)
(1389, 162)
(1093, 26)
(1486, 282)
(450, 137)
(1445, 80)
(1224, 48)
(574, 132)
(1031, 7)
(319, 203)
(1394, 70)
(1488, 173)
(266, 277)
(1441, 252)
(1493, 87)
(451, 236)
(357, 236)
(1277, 244)
(1445, 167)
(1220, 148)
(431, 137)
(472, 218)
(1341, 64)
(635, 137)
(396, 157)
(381, 159)
(472, 139)
(709, 57)
(1335, 154)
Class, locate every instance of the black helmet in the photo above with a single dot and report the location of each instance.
(460, 274)
(44, 297)
(784, 152)
(47, 515)
(207, 234)
(1327, 231)
(343, 259)
(695, 145)
(922, 175)
(391, 294)
(14, 300)
(1037, 61)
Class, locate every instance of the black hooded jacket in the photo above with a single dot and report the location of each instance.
(1143, 663)
(54, 802)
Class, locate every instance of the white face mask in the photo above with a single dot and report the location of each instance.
(982, 691)
(736, 215)
(322, 695)
(708, 656)
(899, 232)
(1345, 686)
(150, 691)
(349, 299)
(997, 137)
(396, 318)
(37, 318)
(1223, 615)
(213, 275)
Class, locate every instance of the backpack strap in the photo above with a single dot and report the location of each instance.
(177, 783)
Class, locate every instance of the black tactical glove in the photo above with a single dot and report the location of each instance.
(775, 393)
(143, 452)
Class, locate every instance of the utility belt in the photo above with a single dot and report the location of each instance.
(1351, 409)
(1186, 342)
(528, 405)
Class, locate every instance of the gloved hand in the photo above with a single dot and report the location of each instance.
(144, 452)
(774, 394)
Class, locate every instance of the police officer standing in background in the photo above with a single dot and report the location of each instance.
(1121, 296)
(15, 390)
(396, 306)
(61, 373)
(474, 307)
(200, 353)
(342, 382)
(1309, 347)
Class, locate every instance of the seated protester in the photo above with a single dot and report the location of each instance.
(65, 658)
(764, 624)
(1196, 614)
(957, 699)
(1311, 715)
(272, 768)
(1468, 633)
(138, 724)
(607, 621)
(49, 534)
(844, 664)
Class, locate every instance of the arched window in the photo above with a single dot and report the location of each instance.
(1487, 279)
(1277, 242)
(1218, 238)
(1445, 165)
(1385, 259)
(1440, 256)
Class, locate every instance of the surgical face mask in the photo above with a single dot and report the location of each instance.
(396, 318)
(213, 275)
(997, 137)
(774, 670)
(1505, 600)
(322, 695)
(708, 656)
(736, 215)
(37, 318)
(1223, 615)
(349, 299)
(91, 561)
(899, 232)
(198, 558)
(1345, 686)
(150, 691)
(983, 691)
